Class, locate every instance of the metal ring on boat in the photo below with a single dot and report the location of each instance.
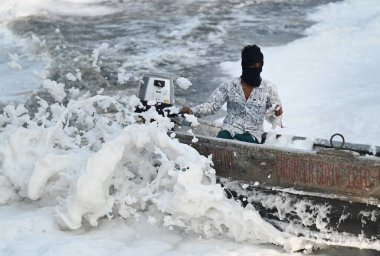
(341, 145)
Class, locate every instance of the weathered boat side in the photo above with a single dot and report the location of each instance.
(337, 173)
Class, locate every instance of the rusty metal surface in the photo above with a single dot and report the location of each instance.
(340, 173)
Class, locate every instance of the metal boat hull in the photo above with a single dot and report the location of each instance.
(324, 190)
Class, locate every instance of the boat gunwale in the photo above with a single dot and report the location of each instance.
(344, 157)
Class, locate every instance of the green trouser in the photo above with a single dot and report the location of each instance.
(247, 137)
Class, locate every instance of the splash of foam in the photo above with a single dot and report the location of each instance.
(107, 165)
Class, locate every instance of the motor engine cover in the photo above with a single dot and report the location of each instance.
(156, 87)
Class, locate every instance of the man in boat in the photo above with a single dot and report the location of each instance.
(249, 100)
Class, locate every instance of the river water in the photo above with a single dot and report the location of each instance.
(181, 38)
(111, 43)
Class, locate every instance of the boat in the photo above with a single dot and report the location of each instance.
(331, 188)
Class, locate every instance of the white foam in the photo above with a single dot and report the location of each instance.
(16, 9)
(94, 179)
(55, 89)
(140, 186)
(183, 83)
(96, 54)
(17, 67)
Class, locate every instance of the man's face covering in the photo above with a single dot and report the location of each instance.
(252, 63)
(251, 74)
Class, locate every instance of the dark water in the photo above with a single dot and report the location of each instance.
(182, 38)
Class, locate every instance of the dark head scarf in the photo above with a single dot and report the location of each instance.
(250, 55)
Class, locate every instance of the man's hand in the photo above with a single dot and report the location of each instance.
(278, 110)
(186, 110)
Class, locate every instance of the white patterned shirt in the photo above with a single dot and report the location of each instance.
(242, 115)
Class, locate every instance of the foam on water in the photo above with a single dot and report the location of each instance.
(184, 38)
(23, 8)
(101, 162)
(18, 67)
(110, 165)
(99, 168)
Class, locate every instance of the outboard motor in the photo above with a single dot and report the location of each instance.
(157, 87)
(158, 90)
